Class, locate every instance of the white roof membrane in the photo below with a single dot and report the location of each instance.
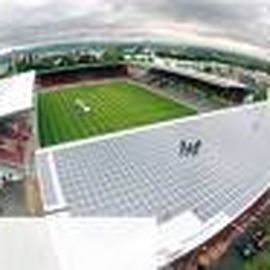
(16, 93)
(201, 76)
(77, 244)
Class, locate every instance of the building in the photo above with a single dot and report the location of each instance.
(194, 190)
(16, 138)
(211, 84)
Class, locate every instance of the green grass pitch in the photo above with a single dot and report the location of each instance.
(113, 106)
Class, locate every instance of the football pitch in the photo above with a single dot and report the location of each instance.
(84, 111)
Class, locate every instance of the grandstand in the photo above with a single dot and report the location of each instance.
(57, 77)
(16, 104)
(143, 172)
(155, 74)
(161, 75)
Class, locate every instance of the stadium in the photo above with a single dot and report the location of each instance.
(112, 141)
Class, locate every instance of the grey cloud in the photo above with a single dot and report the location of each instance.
(241, 20)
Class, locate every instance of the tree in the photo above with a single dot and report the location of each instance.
(113, 55)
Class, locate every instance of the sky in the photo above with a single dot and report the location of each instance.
(230, 24)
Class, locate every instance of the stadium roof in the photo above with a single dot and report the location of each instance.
(141, 173)
(65, 244)
(16, 93)
(117, 244)
(200, 76)
(5, 51)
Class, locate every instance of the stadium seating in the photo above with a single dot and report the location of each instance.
(168, 80)
(70, 76)
(13, 141)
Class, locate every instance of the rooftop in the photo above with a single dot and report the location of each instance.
(16, 93)
(199, 75)
(141, 173)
